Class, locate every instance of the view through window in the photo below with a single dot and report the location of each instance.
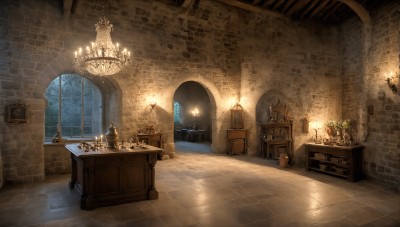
(76, 103)
(177, 112)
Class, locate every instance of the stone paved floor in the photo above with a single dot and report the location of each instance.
(202, 189)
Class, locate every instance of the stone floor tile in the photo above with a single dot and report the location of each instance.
(195, 191)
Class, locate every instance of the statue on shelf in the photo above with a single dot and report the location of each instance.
(57, 138)
(112, 137)
(279, 113)
(149, 129)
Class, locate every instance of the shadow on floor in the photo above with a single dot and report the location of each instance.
(185, 146)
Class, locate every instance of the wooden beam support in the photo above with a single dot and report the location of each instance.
(288, 5)
(317, 10)
(331, 11)
(250, 8)
(67, 8)
(311, 7)
(297, 7)
(256, 2)
(278, 4)
(324, 10)
(359, 9)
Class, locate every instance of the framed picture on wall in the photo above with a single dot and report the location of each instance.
(16, 113)
(237, 117)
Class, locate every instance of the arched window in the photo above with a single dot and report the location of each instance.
(75, 103)
(177, 112)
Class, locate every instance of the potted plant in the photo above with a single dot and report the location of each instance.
(331, 128)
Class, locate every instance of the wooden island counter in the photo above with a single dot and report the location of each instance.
(109, 177)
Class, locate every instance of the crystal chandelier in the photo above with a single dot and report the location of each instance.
(102, 58)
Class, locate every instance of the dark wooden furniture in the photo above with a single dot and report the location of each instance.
(193, 135)
(236, 141)
(109, 177)
(341, 161)
(155, 140)
(276, 138)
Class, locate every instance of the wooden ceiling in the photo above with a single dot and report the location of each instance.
(320, 11)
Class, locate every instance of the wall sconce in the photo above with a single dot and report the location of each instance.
(306, 124)
(391, 85)
(195, 112)
(152, 102)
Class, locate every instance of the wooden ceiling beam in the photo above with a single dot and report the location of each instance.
(278, 4)
(331, 11)
(324, 10)
(269, 3)
(310, 8)
(297, 7)
(249, 7)
(289, 4)
(256, 2)
(317, 10)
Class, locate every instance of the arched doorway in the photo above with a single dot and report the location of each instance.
(192, 118)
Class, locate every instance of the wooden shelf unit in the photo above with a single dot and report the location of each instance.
(341, 161)
(276, 138)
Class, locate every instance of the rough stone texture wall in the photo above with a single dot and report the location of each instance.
(279, 63)
(1, 171)
(382, 107)
(57, 159)
(234, 54)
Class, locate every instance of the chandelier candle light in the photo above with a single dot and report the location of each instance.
(102, 58)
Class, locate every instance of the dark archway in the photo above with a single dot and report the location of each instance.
(192, 114)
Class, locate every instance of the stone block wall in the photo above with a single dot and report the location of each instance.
(57, 159)
(367, 97)
(233, 54)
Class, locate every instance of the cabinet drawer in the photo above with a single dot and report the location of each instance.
(236, 134)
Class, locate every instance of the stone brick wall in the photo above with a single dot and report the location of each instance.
(57, 159)
(1, 171)
(279, 63)
(232, 53)
(365, 89)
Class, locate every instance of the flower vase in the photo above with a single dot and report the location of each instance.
(346, 137)
(330, 131)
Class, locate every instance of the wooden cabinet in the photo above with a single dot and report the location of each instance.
(155, 140)
(236, 141)
(341, 161)
(109, 177)
(276, 138)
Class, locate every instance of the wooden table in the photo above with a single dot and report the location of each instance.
(108, 177)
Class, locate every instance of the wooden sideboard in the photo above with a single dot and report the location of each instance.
(155, 140)
(341, 161)
(109, 177)
(236, 141)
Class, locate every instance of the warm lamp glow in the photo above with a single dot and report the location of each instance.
(315, 125)
(102, 57)
(195, 112)
(232, 102)
(152, 102)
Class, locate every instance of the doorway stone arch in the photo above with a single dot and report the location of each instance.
(216, 111)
